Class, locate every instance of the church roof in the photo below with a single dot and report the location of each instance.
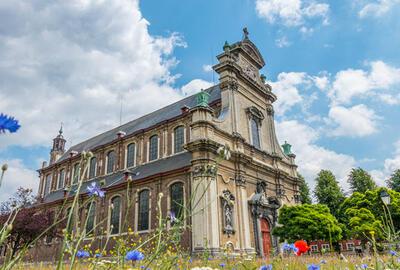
(141, 123)
(159, 166)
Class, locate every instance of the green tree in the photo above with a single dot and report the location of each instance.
(394, 181)
(304, 190)
(365, 212)
(307, 222)
(360, 180)
(328, 192)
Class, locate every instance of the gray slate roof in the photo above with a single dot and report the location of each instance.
(143, 122)
(140, 172)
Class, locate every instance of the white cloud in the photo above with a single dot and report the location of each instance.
(282, 42)
(352, 83)
(389, 166)
(310, 157)
(17, 175)
(286, 88)
(207, 68)
(356, 121)
(377, 8)
(195, 86)
(74, 62)
(291, 12)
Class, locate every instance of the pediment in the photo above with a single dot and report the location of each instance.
(253, 52)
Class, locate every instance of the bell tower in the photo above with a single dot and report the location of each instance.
(58, 148)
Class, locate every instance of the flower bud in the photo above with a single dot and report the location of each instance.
(4, 167)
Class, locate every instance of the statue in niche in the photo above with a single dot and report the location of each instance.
(227, 201)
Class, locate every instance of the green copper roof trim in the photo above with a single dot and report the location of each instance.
(226, 46)
(202, 98)
(287, 148)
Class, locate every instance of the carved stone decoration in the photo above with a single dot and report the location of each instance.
(255, 113)
(240, 180)
(270, 110)
(227, 203)
(233, 85)
(205, 170)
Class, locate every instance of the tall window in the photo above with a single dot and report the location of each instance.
(130, 155)
(61, 179)
(153, 147)
(255, 133)
(115, 216)
(47, 184)
(92, 168)
(91, 213)
(176, 199)
(143, 215)
(179, 139)
(110, 161)
(76, 173)
(71, 224)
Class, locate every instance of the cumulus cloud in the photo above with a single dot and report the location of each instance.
(207, 68)
(75, 62)
(17, 176)
(356, 121)
(389, 166)
(291, 12)
(195, 86)
(377, 8)
(352, 83)
(311, 157)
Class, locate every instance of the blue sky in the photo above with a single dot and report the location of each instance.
(334, 66)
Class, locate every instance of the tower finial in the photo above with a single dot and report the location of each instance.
(61, 129)
(245, 33)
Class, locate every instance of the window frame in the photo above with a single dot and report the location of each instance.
(138, 210)
(108, 162)
(157, 152)
(90, 176)
(174, 140)
(75, 173)
(127, 155)
(170, 201)
(87, 213)
(257, 125)
(47, 184)
(110, 215)
(59, 178)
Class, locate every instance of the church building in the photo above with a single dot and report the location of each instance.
(174, 151)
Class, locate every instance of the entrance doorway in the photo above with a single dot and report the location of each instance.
(266, 237)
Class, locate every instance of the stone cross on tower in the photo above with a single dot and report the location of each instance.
(245, 33)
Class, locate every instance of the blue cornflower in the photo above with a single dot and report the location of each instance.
(222, 265)
(134, 255)
(82, 254)
(94, 190)
(8, 123)
(266, 267)
(393, 253)
(190, 260)
(364, 266)
(289, 247)
(313, 267)
(98, 255)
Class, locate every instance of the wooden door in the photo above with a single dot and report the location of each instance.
(266, 237)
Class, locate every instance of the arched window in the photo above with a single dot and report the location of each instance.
(71, 224)
(115, 215)
(143, 213)
(176, 199)
(75, 178)
(92, 168)
(47, 184)
(110, 161)
(91, 213)
(153, 147)
(255, 133)
(130, 155)
(61, 179)
(179, 139)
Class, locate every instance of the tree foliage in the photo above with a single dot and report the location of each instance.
(360, 180)
(362, 213)
(304, 190)
(307, 222)
(21, 199)
(328, 192)
(394, 181)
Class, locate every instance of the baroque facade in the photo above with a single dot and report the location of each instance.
(174, 151)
